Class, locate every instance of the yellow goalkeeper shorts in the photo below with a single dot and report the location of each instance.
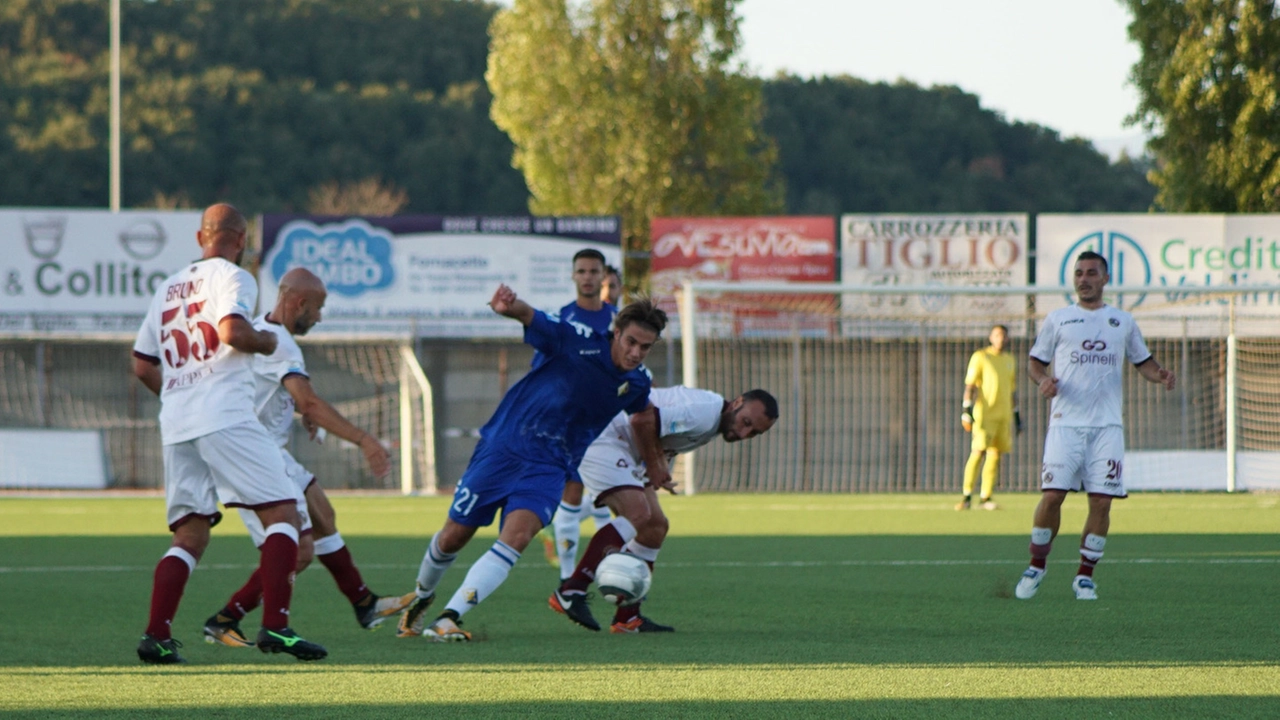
(997, 434)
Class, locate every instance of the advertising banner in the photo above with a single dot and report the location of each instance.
(1169, 251)
(933, 249)
(430, 275)
(768, 249)
(87, 271)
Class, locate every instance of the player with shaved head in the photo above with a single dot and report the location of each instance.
(195, 350)
(283, 387)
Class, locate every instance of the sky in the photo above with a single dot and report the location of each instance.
(1063, 64)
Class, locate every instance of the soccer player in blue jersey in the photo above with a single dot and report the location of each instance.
(590, 275)
(534, 440)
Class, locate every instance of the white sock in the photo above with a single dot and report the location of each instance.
(484, 577)
(182, 555)
(600, 515)
(329, 544)
(644, 552)
(568, 532)
(434, 564)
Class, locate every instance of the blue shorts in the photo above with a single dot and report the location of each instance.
(496, 480)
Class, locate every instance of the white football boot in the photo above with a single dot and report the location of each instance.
(1084, 587)
(1029, 583)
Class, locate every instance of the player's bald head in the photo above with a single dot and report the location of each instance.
(301, 280)
(222, 232)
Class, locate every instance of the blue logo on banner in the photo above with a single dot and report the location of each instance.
(351, 258)
(1127, 262)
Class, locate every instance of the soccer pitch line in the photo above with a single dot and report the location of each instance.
(745, 564)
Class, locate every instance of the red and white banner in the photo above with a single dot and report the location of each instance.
(783, 249)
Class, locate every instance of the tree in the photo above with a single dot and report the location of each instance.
(634, 107)
(1208, 83)
(365, 197)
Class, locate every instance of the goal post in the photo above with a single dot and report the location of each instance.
(869, 379)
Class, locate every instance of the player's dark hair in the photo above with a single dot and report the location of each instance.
(590, 254)
(1002, 326)
(643, 312)
(769, 402)
(611, 270)
(1091, 255)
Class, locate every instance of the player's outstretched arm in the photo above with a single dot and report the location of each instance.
(1152, 372)
(149, 373)
(644, 427)
(506, 303)
(315, 410)
(240, 334)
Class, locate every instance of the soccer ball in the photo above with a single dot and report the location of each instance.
(623, 578)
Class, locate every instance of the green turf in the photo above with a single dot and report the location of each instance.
(787, 606)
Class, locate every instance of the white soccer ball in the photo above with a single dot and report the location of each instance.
(623, 578)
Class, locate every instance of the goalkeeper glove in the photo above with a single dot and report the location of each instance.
(966, 416)
(1017, 421)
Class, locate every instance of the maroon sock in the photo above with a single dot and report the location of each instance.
(1040, 555)
(279, 561)
(1086, 565)
(606, 540)
(626, 613)
(247, 598)
(344, 572)
(166, 592)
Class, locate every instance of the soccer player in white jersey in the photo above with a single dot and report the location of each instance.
(195, 351)
(1084, 448)
(283, 386)
(614, 469)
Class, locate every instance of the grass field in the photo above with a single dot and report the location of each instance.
(787, 606)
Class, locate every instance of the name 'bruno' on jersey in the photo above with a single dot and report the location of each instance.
(1087, 349)
(206, 385)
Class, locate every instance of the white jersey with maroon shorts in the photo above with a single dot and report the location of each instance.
(1084, 447)
(214, 446)
(687, 419)
(274, 406)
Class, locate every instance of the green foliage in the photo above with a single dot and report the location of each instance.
(846, 145)
(636, 107)
(253, 102)
(1208, 81)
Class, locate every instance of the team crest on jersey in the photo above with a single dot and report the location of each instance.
(622, 463)
(623, 388)
(1114, 322)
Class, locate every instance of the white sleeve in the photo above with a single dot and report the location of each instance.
(1046, 341)
(285, 361)
(236, 296)
(1134, 346)
(147, 344)
(695, 417)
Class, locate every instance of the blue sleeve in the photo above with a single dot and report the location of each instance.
(544, 334)
(641, 402)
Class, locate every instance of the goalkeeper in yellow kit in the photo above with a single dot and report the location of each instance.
(990, 413)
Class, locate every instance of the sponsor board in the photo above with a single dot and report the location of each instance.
(749, 249)
(931, 249)
(430, 275)
(87, 271)
(1170, 251)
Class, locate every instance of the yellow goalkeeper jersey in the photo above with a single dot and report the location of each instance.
(994, 374)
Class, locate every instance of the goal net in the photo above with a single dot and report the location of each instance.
(870, 383)
(67, 389)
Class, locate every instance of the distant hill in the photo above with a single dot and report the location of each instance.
(261, 102)
(846, 145)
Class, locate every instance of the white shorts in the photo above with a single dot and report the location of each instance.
(610, 465)
(239, 466)
(301, 479)
(1088, 458)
